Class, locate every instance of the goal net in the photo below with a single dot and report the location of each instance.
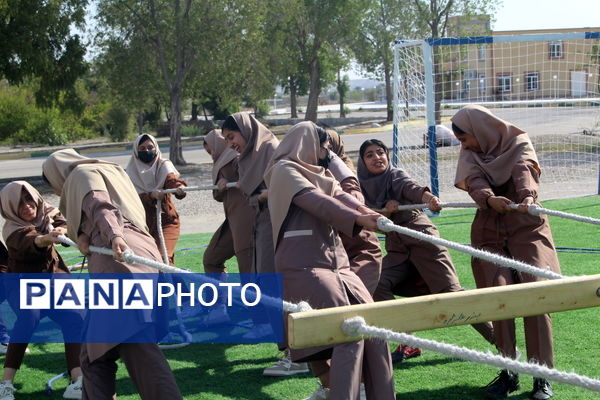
(546, 84)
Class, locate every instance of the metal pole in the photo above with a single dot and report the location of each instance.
(430, 104)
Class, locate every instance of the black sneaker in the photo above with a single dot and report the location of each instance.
(542, 390)
(506, 382)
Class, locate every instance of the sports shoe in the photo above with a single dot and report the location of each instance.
(259, 331)
(7, 390)
(74, 390)
(542, 390)
(322, 393)
(217, 315)
(285, 367)
(506, 382)
(404, 352)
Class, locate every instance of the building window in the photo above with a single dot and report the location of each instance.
(555, 49)
(504, 83)
(481, 52)
(532, 81)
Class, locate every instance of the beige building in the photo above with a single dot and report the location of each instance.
(560, 64)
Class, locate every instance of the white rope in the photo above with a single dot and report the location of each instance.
(537, 210)
(403, 207)
(194, 188)
(356, 327)
(161, 237)
(130, 258)
(386, 225)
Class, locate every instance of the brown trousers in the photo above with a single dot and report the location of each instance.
(525, 238)
(221, 248)
(147, 367)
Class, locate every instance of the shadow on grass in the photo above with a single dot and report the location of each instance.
(456, 392)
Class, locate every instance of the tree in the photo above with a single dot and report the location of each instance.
(434, 14)
(37, 42)
(173, 29)
(318, 27)
(383, 22)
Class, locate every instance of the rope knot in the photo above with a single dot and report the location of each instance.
(351, 326)
(128, 256)
(384, 224)
(534, 210)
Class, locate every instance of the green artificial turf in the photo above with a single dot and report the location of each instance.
(230, 371)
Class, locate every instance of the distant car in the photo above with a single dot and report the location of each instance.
(443, 137)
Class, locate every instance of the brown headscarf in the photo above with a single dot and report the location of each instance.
(260, 145)
(77, 175)
(295, 167)
(10, 198)
(502, 145)
(337, 146)
(148, 178)
(220, 153)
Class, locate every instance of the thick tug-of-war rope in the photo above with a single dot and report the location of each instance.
(537, 210)
(357, 327)
(386, 225)
(130, 258)
(532, 209)
(194, 188)
(403, 207)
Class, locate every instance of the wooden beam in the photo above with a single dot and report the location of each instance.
(323, 327)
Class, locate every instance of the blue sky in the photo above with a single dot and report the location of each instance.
(546, 14)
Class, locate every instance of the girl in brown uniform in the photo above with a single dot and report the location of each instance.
(363, 249)
(150, 174)
(234, 236)
(308, 208)
(408, 260)
(30, 230)
(104, 210)
(498, 166)
(256, 144)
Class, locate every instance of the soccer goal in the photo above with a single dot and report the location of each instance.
(546, 84)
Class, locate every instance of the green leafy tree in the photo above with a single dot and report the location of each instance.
(383, 22)
(36, 41)
(434, 16)
(319, 27)
(173, 31)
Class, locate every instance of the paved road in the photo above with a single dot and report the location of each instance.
(10, 169)
(536, 121)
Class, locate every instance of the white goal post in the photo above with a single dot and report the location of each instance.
(548, 84)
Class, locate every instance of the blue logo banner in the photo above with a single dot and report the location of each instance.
(142, 308)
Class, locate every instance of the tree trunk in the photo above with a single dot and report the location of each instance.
(140, 121)
(293, 99)
(175, 151)
(314, 91)
(389, 95)
(194, 112)
(342, 94)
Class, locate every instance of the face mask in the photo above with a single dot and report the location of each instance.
(147, 156)
(324, 162)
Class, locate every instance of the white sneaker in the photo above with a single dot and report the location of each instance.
(217, 315)
(74, 390)
(322, 393)
(7, 390)
(285, 367)
(259, 331)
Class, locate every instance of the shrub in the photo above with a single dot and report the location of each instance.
(118, 123)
